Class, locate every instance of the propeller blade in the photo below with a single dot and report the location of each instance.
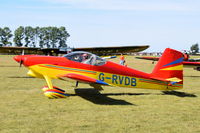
(20, 63)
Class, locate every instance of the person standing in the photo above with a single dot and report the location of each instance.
(122, 60)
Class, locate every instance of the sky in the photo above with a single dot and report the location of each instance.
(95, 23)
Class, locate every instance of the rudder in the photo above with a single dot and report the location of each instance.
(169, 67)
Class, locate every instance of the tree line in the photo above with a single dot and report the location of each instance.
(43, 37)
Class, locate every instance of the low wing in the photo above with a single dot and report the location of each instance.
(195, 65)
(148, 58)
(157, 58)
(194, 60)
(187, 63)
(83, 78)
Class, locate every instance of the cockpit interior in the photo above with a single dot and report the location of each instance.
(85, 58)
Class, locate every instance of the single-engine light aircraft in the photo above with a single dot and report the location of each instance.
(97, 72)
(188, 63)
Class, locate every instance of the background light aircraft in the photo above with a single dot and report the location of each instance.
(56, 51)
(97, 72)
(190, 63)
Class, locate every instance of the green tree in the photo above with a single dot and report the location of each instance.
(54, 37)
(62, 37)
(1, 34)
(5, 36)
(46, 38)
(36, 35)
(41, 33)
(194, 48)
(29, 34)
(49, 37)
(19, 36)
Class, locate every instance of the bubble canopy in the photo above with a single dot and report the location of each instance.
(85, 58)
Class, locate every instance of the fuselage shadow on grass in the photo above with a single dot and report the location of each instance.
(96, 97)
(9, 66)
(20, 77)
(193, 76)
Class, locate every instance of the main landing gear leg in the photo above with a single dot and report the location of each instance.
(49, 83)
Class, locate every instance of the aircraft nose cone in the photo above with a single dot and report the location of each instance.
(18, 58)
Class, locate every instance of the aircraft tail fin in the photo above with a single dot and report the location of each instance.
(169, 67)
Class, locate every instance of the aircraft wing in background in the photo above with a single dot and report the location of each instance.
(195, 65)
(148, 58)
(191, 63)
(113, 50)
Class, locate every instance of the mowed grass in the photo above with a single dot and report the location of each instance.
(23, 107)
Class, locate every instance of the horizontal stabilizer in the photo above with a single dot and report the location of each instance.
(174, 79)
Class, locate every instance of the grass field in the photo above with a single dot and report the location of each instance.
(23, 108)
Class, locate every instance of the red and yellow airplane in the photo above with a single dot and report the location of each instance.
(89, 68)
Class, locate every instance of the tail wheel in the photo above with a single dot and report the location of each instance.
(54, 93)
